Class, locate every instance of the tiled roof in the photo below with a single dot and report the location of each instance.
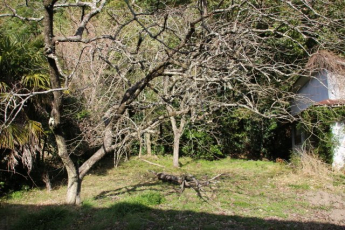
(330, 102)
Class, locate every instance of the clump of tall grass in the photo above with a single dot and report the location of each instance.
(308, 163)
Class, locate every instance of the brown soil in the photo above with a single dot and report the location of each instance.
(333, 205)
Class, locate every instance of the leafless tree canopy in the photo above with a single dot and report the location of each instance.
(112, 57)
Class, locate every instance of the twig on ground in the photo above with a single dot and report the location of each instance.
(149, 162)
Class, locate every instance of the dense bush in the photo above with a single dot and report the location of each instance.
(247, 135)
(200, 144)
(316, 122)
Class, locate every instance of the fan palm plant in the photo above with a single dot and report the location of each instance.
(21, 71)
(21, 142)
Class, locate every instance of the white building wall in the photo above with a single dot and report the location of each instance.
(336, 85)
(338, 131)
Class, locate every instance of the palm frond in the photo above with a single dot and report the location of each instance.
(36, 81)
(12, 136)
(23, 142)
(34, 128)
(20, 56)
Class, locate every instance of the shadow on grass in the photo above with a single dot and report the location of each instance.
(146, 186)
(129, 215)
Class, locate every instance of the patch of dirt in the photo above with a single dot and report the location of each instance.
(321, 198)
(334, 205)
(338, 215)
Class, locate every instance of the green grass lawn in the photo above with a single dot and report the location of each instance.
(248, 195)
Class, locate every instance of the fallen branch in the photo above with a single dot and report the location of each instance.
(186, 181)
(213, 178)
(149, 162)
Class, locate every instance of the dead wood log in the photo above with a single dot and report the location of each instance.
(186, 181)
(169, 178)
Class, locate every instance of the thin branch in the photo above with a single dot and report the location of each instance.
(149, 162)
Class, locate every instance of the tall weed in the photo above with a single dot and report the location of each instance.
(309, 164)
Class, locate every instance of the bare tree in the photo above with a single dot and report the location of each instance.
(183, 106)
(114, 113)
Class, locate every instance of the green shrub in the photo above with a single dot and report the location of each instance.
(199, 144)
(150, 198)
(17, 195)
(123, 208)
(244, 134)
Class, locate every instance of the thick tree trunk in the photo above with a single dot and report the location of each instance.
(74, 182)
(73, 190)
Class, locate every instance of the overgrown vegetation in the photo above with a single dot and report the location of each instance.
(317, 123)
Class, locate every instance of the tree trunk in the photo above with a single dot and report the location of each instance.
(74, 182)
(176, 130)
(73, 190)
(176, 152)
(140, 146)
(177, 136)
(148, 144)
